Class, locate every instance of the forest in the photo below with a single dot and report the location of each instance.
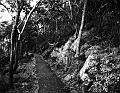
(59, 46)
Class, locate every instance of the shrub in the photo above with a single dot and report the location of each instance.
(98, 73)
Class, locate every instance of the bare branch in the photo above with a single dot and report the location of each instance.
(22, 21)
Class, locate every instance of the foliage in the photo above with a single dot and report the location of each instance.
(104, 71)
(25, 79)
(65, 64)
(102, 22)
(54, 21)
(102, 68)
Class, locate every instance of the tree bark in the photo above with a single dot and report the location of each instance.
(15, 37)
(14, 43)
(76, 45)
(13, 50)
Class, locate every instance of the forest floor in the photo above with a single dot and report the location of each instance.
(47, 80)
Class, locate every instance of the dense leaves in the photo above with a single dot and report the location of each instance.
(99, 73)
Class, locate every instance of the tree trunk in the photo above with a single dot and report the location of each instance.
(14, 50)
(16, 55)
(15, 36)
(76, 45)
(12, 54)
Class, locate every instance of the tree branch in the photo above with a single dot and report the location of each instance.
(71, 14)
(22, 21)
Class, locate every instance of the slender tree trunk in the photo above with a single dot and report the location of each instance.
(15, 38)
(13, 53)
(16, 55)
(80, 31)
(11, 60)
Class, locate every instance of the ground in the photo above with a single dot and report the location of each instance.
(47, 80)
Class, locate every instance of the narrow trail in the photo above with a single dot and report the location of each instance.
(47, 80)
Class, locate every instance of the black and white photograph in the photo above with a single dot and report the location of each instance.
(59, 46)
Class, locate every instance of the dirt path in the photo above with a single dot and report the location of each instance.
(48, 81)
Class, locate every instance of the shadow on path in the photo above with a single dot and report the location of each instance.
(47, 79)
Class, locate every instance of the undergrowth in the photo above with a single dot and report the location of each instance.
(99, 73)
(25, 78)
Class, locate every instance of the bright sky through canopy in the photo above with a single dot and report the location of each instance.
(33, 2)
(5, 16)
